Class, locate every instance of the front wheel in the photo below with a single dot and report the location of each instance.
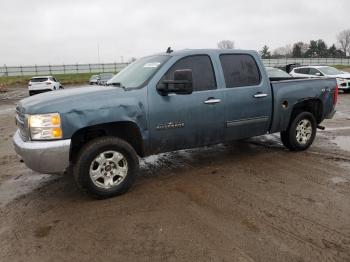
(300, 133)
(106, 167)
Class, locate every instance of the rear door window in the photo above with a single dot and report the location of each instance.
(240, 70)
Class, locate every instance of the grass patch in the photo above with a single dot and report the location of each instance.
(65, 79)
(343, 67)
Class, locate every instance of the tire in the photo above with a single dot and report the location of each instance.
(115, 156)
(301, 132)
(346, 91)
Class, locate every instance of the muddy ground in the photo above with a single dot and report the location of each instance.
(248, 201)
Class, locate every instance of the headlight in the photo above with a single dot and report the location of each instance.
(44, 127)
(341, 80)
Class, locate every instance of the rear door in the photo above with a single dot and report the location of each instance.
(248, 99)
(185, 121)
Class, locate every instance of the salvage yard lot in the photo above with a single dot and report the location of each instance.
(247, 201)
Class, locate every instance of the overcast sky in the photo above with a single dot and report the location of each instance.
(70, 31)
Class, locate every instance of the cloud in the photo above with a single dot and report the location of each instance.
(56, 32)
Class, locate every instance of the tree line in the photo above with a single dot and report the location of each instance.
(313, 49)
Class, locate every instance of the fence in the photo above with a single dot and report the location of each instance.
(60, 69)
(114, 67)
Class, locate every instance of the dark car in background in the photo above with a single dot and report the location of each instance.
(103, 78)
(277, 74)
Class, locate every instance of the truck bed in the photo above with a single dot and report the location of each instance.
(289, 92)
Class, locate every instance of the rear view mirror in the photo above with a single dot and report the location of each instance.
(182, 83)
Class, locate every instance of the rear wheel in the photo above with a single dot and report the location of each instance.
(106, 167)
(300, 133)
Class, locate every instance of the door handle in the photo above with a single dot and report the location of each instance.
(212, 100)
(259, 95)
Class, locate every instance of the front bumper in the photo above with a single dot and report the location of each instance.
(48, 157)
(344, 84)
(34, 92)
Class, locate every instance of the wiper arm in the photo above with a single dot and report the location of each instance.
(116, 84)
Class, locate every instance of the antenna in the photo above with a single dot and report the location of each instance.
(169, 50)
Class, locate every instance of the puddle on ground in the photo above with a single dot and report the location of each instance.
(343, 142)
(21, 185)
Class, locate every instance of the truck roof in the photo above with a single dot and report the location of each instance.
(208, 51)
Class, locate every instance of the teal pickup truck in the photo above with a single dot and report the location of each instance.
(161, 103)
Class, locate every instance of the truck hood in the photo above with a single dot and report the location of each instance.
(68, 99)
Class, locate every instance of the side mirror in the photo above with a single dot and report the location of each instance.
(318, 74)
(182, 83)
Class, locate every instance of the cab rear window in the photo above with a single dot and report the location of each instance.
(39, 79)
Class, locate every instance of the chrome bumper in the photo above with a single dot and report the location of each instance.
(48, 157)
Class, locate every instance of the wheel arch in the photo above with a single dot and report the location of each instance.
(312, 105)
(126, 130)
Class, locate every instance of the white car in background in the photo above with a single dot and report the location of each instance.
(41, 84)
(343, 78)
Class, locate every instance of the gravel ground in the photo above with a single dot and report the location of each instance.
(247, 201)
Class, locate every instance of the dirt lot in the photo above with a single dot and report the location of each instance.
(249, 201)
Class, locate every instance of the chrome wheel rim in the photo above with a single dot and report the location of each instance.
(108, 169)
(304, 131)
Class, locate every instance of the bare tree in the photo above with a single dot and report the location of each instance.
(226, 44)
(344, 40)
(283, 51)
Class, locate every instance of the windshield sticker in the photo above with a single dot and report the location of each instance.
(154, 64)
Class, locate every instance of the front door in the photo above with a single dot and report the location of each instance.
(185, 121)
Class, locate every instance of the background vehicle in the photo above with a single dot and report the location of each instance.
(103, 78)
(343, 78)
(93, 80)
(162, 103)
(40, 84)
(277, 74)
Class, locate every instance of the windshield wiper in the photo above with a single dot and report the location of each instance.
(116, 84)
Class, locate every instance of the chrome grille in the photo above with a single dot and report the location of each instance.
(22, 123)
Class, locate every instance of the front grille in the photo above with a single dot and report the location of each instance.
(22, 123)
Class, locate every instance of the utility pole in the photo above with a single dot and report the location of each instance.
(98, 56)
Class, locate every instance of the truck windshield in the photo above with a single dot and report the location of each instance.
(138, 72)
(330, 70)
